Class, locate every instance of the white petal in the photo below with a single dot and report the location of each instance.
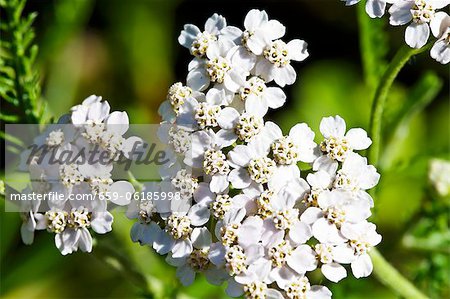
(201, 237)
(198, 79)
(438, 23)
(332, 126)
(274, 30)
(357, 139)
(300, 233)
(239, 178)
(186, 275)
(240, 156)
(400, 13)
(416, 35)
(121, 192)
(325, 163)
(199, 214)
(255, 105)
(254, 19)
(117, 122)
(297, 49)
(215, 23)
(362, 266)
(334, 272)
(275, 97)
(101, 222)
(375, 8)
(188, 35)
(219, 183)
(303, 259)
(326, 232)
(311, 215)
(344, 253)
(441, 52)
(227, 118)
(285, 75)
(182, 248)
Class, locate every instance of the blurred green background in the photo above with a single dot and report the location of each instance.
(127, 52)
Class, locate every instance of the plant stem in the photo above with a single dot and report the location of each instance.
(390, 277)
(381, 93)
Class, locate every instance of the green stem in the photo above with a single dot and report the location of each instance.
(390, 277)
(381, 93)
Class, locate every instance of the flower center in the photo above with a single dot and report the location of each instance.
(261, 169)
(93, 131)
(245, 37)
(56, 221)
(179, 139)
(146, 210)
(201, 43)
(228, 234)
(298, 289)
(279, 253)
(324, 253)
(55, 138)
(248, 126)
(185, 183)
(100, 185)
(235, 260)
(310, 199)
(335, 216)
(79, 218)
(285, 151)
(342, 181)
(255, 290)
(422, 12)
(198, 259)
(336, 148)
(254, 85)
(217, 68)
(70, 175)
(277, 53)
(206, 115)
(221, 205)
(285, 219)
(360, 246)
(215, 162)
(178, 226)
(177, 95)
(265, 209)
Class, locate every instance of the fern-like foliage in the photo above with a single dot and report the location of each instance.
(19, 81)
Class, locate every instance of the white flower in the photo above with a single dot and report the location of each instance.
(356, 176)
(299, 145)
(250, 163)
(441, 30)
(439, 175)
(422, 15)
(217, 68)
(275, 64)
(374, 8)
(258, 97)
(336, 207)
(362, 237)
(300, 287)
(176, 97)
(207, 155)
(198, 42)
(92, 109)
(337, 143)
(259, 30)
(197, 261)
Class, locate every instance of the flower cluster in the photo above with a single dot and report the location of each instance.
(79, 186)
(245, 215)
(422, 17)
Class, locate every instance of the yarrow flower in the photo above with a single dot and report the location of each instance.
(245, 216)
(422, 16)
(88, 126)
